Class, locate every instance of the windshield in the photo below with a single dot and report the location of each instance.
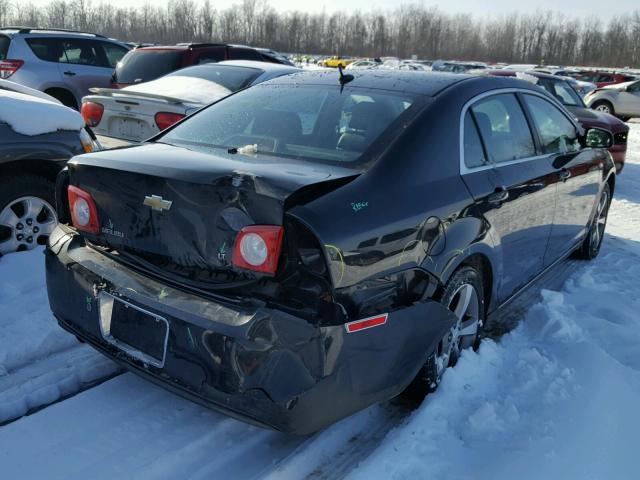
(231, 78)
(315, 123)
(562, 91)
(144, 65)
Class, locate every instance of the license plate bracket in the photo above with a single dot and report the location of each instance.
(139, 333)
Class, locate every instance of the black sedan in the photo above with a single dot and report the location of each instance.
(318, 243)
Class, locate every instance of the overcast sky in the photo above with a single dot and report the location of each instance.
(579, 8)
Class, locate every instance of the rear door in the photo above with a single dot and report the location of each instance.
(511, 183)
(578, 173)
(209, 55)
(628, 101)
(83, 65)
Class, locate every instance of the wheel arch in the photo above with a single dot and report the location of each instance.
(41, 168)
(480, 259)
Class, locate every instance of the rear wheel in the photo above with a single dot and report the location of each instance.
(65, 97)
(27, 216)
(604, 107)
(593, 241)
(464, 297)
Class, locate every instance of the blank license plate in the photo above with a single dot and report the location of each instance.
(139, 333)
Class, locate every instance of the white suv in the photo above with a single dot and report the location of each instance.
(62, 63)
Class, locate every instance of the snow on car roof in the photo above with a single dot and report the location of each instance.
(30, 115)
(16, 87)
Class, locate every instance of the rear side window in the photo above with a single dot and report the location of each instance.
(81, 52)
(604, 77)
(4, 46)
(473, 151)
(144, 65)
(211, 56)
(557, 133)
(48, 49)
(243, 54)
(113, 53)
(504, 128)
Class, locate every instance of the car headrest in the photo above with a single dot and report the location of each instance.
(372, 117)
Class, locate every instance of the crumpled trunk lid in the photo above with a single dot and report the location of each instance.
(181, 209)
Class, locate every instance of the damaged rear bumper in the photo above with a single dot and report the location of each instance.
(255, 363)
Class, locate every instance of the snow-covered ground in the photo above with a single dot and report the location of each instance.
(555, 398)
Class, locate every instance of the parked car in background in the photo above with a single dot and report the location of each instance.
(61, 63)
(337, 61)
(138, 112)
(602, 79)
(148, 63)
(561, 88)
(305, 248)
(363, 63)
(37, 137)
(621, 100)
(457, 67)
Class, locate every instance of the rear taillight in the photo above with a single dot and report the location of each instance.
(84, 214)
(166, 119)
(9, 67)
(257, 248)
(92, 113)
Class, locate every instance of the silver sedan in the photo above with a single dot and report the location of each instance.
(137, 112)
(621, 100)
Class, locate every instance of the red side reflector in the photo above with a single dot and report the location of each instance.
(366, 323)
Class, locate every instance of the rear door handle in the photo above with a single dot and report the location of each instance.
(500, 195)
(565, 174)
(69, 73)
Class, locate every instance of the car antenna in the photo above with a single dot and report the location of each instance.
(344, 79)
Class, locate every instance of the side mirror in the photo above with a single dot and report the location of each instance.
(598, 138)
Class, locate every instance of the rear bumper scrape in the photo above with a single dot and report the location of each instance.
(255, 363)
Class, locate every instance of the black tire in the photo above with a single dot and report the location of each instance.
(624, 118)
(429, 377)
(590, 247)
(604, 106)
(26, 185)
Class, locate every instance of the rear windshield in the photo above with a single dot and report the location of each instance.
(4, 46)
(144, 65)
(231, 78)
(320, 124)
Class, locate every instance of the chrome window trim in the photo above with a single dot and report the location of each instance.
(464, 169)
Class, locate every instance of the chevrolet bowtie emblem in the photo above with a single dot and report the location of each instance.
(157, 203)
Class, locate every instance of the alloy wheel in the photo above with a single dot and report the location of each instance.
(25, 223)
(603, 107)
(600, 221)
(465, 306)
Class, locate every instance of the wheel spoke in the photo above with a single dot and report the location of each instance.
(47, 227)
(470, 327)
(464, 297)
(33, 207)
(8, 218)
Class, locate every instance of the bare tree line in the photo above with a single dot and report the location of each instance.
(412, 29)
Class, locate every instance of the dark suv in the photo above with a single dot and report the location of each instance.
(62, 63)
(148, 63)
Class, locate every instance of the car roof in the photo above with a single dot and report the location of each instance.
(422, 83)
(50, 32)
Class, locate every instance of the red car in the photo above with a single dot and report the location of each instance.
(560, 88)
(602, 79)
(148, 63)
